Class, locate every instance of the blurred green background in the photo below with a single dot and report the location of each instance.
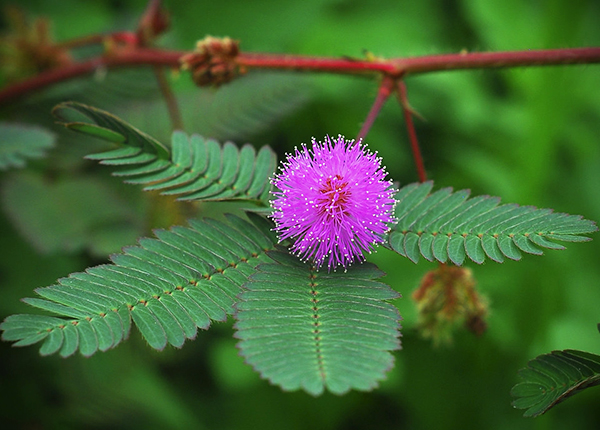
(530, 136)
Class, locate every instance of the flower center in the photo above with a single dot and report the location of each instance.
(334, 196)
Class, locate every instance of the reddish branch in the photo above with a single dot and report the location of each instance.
(140, 56)
(429, 63)
(385, 90)
(412, 134)
(316, 64)
(133, 57)
(495, 60)
(217, 61)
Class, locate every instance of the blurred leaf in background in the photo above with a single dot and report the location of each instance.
(70, 215)
(20, 143)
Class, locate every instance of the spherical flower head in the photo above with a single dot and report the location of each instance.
(333, 202)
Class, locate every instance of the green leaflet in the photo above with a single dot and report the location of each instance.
(551, 378)
(169, 286)
(106, 126)
(194, 168)
(447, 225)
(19, 142)
(304, 329)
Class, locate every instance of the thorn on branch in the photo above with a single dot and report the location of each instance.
(214, 61)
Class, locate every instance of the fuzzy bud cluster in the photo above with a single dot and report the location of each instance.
(214, 61)
(446, 299)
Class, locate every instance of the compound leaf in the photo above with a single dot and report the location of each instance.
(551, 378)
(170, 286)
(305, 329)
(194, 168)
(447, 225)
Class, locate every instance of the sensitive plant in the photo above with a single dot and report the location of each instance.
(310, 314)
(333, 201)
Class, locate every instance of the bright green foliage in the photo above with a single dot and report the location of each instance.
(20, 142)
(170, 286)
(194, 167)
(311, 330)
(446, 226)
(551, 378)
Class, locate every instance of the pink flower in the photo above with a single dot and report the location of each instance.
(333, 202)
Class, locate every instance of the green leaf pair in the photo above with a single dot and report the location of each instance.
(194, 168)
(447, 226)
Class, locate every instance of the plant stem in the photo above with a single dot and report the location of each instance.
(385, 90)
(315, 64)
(429, 63)
(170, 99)
(132, 57)
(410, 127)
(139, 56)
(495, 60)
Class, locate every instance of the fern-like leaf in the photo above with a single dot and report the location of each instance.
(170, 286)
(551, 378)
(194, 168)
(447, 225)
(20, 142)
(304, 329)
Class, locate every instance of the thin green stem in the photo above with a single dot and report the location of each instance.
(170, 99)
